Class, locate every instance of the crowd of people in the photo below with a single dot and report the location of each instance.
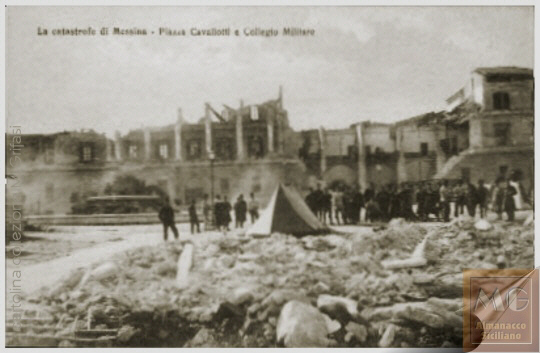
(219, 215)
(432, 200)
(423, 201)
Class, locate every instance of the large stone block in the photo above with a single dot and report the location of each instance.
(301, 325)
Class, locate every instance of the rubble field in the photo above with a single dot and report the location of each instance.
(397, 286)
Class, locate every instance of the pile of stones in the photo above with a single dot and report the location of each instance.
(316, 291)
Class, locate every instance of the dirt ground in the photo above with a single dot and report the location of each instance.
(50, 255)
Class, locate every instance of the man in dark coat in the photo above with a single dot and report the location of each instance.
(369, 193)
(459, 195)
(318, 200)
(444, 201)
(240, 210)
(405, 197)
(433, 200)
(218, 213)
(383, 200)
(193, 218)
(471, 199)
(166, 216)
(357, 203)
(395, 206)
(372, 210)
(482, 194)
(508, 200)
(497, 196)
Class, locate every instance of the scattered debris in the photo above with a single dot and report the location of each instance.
(388, 336)
(301, 325)
(184, 265)
(395, 287)
(482, 225)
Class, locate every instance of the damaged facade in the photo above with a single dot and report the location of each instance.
(497, 104)
(486, 131)
(245, 147)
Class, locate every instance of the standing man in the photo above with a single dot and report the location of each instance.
(318, 200)
(372, 211)
(383, 200)
(371, 207)
(253, 208)
(369, 193)
(240, 210)
(459, 198)
(166, 216)
(444, 201)
(471, 199)
(406, 202)
(356, 204)
(497, 196)
(483, 195)
(509, 202)
(218, 213)
(193, 219)
(326, 206)
(338, 207)
(433, 200)
(394, 201)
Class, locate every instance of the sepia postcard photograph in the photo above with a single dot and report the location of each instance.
(270, 177)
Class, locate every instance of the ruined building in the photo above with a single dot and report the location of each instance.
(243, 150)
(497, 107)
(486, 131)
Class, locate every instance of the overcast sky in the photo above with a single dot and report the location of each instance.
(364, 63)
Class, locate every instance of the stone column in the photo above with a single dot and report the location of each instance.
(280, 131)
(270, 131)
(147, 144)
(401, 168)
(362, 167)
(178, 136)
(118, 146)
(207, 128)
(254, 112)
(322, 142)
(239, 136)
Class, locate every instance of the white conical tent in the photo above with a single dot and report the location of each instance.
(287, 213)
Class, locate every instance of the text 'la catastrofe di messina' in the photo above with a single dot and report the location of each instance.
(166, 31)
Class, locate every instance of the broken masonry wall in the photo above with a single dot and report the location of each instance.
(520, 131)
